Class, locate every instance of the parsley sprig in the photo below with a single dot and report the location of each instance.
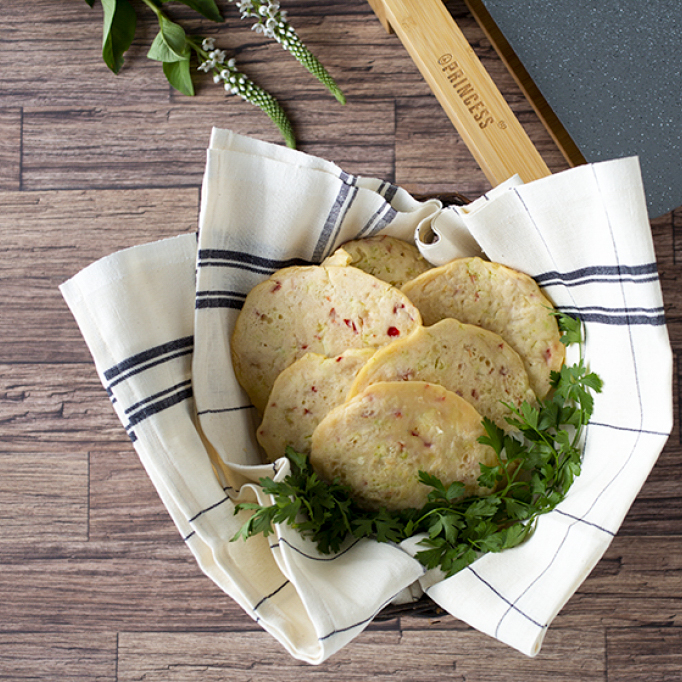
(535, 468)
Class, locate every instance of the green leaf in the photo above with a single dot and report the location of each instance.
(513, 449)
(482, 507)
(206, 8)
(178, 75)
(457, 561)
(490, 476)
(388, 529)
(170, 44)
(431, 558)
(494, 542)
(516, 509)
(439, 491)
(363, 527)
(118, 31)
(516, 534)
(298, 461)
(451, 528)
(570, 328)
(494, 436)
(455, 490)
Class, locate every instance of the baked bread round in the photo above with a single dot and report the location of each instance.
(378, 441)
(301, 397)
(304, 309)
(497, 298)
(390, 259)
(476, 364)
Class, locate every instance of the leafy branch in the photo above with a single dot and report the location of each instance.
(535, 469)
(175, 50)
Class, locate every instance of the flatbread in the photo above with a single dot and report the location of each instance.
(499, 299)
(304, 309)
(378, 441)
(390, 259)
(301, 397)
(476, 364)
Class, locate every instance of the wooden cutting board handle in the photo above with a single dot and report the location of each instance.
(464, 88)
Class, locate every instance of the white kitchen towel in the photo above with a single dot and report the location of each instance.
(158, 318)
(584, 235)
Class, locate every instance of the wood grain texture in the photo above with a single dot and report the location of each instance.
(456, 656)
(61, 233)
(45, 496)
(64, 405)
(10, 147)
(168, 149)
(123, 503)
(56, 656)
(656, 650)
(95, 581)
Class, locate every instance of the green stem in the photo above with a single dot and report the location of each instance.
(154, 8)
(246, 89)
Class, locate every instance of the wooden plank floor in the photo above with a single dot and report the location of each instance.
(95, 583)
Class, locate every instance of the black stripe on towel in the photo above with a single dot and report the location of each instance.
(220, 299)
(224, 258)
(154, 408)
(149, 358)
(619, 316)
(600, 273)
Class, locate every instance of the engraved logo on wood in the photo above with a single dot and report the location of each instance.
(463, 87)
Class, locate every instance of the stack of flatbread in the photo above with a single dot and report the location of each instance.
(377, 365)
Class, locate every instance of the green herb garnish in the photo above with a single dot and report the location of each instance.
(536, 466)
(174, 49)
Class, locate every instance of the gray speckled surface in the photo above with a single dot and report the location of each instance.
(612, 72)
